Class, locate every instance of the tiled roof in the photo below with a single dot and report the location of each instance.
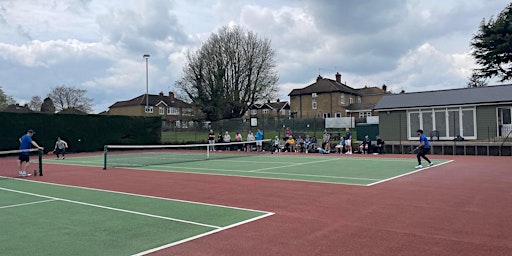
(153, 100)
(16, 108)
(324, 85)
(463, 96)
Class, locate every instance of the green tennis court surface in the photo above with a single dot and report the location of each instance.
(50, 219)
(312, 167)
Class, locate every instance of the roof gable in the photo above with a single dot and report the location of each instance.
(463, 96)
(324, 85)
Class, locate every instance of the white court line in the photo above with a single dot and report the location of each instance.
(291, 165)
(37, 202)
(405, 174)
(112, 208)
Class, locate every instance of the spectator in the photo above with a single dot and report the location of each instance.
(299, 144)
(275, 145)
(290, 142)
(380, 146)
(250, 138)
(366, 145)
(287, 133)
(307, 143)
(326, 145)
(340, 147)
(348, 141)
(211, 140)
(226, 139)
(238, 138)
(259, 140)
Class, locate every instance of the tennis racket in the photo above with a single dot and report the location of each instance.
(413, 151)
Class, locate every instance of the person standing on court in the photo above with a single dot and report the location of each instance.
(326, 144)
(259, 141)
(348, 141)
(60, 148)
(211, 140)
(250, 138)
(423, 149)
(26, 143)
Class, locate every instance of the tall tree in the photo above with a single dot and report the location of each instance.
(492, 46)
(5, 100)
(475, 81)
(47, 106)
(231, 70)
(70, 98)
(35, 103)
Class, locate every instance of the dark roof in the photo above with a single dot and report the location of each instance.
(360, 106)
(463, 96)
(16, 108)
(153, 100)
(323, 85)
(277, 105)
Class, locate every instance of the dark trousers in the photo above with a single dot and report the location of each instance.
(422, 154)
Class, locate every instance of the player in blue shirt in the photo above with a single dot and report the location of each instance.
(26, 143)
(423, 149)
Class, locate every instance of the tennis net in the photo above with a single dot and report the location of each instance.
(145, 155)
(36, 160)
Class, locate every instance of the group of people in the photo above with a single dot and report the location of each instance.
(226, 138)
(26, 144)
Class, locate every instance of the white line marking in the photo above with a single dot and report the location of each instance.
(132, 194)
(113, 209)
(201, 235)
(405, 174)
(37, 202)
(291, 165)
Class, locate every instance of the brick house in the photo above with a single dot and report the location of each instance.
(270, 109)
(174, 112)
(328, 98)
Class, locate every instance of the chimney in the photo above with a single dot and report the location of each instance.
(171, 95)
(161, 94)
(277, 99)
(318, 78)
(338, 77)
(384, 87)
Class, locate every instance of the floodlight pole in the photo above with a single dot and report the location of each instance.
(146, 56)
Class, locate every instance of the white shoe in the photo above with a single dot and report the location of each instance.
(418, 166)
(20, 174)
(431, 164)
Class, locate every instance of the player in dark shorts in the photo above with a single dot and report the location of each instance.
(26, 142)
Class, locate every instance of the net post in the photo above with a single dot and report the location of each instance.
(208, 151)
(105, 157)
(40, 157)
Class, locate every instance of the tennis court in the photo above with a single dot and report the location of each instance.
(258, 204)
(49, 219)
(332, 168)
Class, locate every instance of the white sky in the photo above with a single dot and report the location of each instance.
(97, 45)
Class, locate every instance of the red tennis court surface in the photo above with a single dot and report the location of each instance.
(461, 208)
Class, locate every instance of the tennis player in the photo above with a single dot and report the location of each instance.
(26, 142)
(423, 149)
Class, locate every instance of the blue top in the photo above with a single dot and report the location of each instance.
(26, 143)
(348, 135)
(425, 140)
(259, 135)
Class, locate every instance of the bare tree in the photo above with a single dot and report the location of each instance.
(232, 70)
(70, 98)
(35, 103)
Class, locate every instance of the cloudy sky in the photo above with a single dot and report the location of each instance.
(97, 45)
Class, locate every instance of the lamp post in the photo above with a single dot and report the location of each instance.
(146, 56)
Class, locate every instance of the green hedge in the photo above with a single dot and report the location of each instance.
(82, 132)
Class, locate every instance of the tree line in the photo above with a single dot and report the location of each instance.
(61, 99)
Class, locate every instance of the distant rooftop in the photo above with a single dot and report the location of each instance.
(462, 96)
